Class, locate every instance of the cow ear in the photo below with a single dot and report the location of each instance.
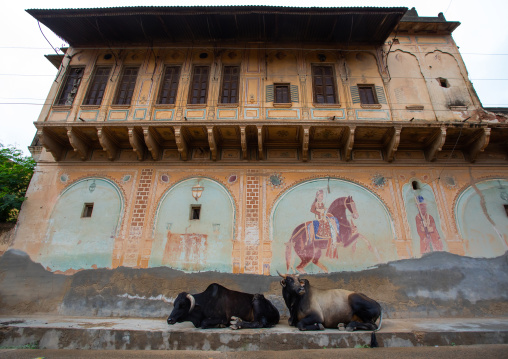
(302, 283)
(283, 283)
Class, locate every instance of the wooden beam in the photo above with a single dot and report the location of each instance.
(260, 142)
(392, 144)
(347, 148)
(478, 144)
(211, 142)
(79, 143)
(51, 144)
(108, 143)
(181, 143)
(436, 145)
(152, 142)
(305, 143)
(136, 141)
(243, 140)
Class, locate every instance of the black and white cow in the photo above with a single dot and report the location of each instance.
(218, 306)
(315, 309)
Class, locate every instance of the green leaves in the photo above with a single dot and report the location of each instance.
(16, 170)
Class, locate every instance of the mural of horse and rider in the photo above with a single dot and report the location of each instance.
(330, 225)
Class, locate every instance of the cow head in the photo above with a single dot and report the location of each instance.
(183, 305)
(292, 284)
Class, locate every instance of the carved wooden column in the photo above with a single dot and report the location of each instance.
(479, 144)
(349, 140)
(136, 141)
(260, 142)
(181, 143)
(392, 144)
(243, 141)
(305, 143)
(211, 142)
(51, 144)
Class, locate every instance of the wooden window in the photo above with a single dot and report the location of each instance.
(199, 85)
(70, 86)
(230, 81)
(126, 86)
(87, 210)
(282, 94)
(169, 86)
(97, 86)
(323, 83)
(195, 212)
(367, 95)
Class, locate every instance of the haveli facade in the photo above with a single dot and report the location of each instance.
(256, 139)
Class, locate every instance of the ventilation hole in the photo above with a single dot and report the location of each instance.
(443, 82)
(203, 55)
(415, 185)
(195, 212)
(506, 209)
(87, 210)
(108, 56)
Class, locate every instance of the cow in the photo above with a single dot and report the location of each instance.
(218, 307)
(316, 309)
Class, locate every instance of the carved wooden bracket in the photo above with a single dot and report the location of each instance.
(305, 143)
(211, 142)
(349, 132)
(479, 144)
(260, 142)
(392, 144)
(181, 143)
(243, 141)
(435, 145)
(51, 145)
(152, 141)
(136, 141)
(108, 143)
(79, 143)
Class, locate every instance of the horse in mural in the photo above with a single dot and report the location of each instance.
(309, 247)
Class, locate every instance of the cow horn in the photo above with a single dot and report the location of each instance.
(282, 275)
(192, 302)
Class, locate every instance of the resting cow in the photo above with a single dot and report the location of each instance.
(315, 309)
(219, 307)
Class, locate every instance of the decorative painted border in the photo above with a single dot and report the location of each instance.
(89, 111)
(282, 118)
(140, 109)
(250, 117)
(195, 118)
(118, 111)
(335, 110)
(417, 38)
(59, 112)
(386, 112)
(227, 109)
(163, 110)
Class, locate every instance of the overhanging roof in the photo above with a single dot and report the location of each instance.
(145, 25)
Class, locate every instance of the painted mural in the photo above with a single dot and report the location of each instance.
(482, 218)
(423, 218)
(83, 226)
(330, 225)
(194, 227)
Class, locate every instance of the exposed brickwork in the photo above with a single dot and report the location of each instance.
(132, 244)
(252, 223)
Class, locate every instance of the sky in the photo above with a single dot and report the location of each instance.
(26, 76)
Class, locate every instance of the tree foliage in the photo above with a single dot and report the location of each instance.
(16, 170)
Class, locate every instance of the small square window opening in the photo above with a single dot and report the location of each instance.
(506, 209)
(87, 210)
(195, 212)
(443, 82)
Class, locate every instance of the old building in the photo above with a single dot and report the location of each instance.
(252, 139)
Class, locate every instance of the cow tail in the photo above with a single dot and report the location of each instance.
(373, 340)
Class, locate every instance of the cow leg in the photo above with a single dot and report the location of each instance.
(214, 323)
(310, 322)
(264, 313)
(238, 323)
(352, 326)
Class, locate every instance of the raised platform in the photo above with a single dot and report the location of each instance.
(55, 332)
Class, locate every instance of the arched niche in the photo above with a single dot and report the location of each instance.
(407, 82)
(83, 226)
(481, 215)
(364, 241)
(184, 242)
(423, 218)
(362, 64)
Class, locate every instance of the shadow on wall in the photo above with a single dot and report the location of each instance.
(439, 284)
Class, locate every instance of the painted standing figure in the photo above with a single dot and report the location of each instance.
(325, 226)
(430, 240)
